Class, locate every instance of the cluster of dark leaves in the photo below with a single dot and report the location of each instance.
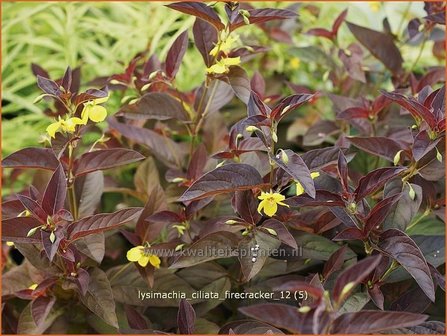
(362, 266)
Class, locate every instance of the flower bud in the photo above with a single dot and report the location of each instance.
(411, 192)
(271, 231)
(251, 129)
(284, 157)
(32, 231)
(438, 155)
(52, 237)
(397, 158)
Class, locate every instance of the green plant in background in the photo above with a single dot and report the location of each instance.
(99, 37)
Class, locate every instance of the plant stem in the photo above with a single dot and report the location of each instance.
(121, 270)
(425, 214)
(202, 115)
(70, 185)
(390, 269)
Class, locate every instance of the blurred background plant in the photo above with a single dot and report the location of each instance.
(102, 38)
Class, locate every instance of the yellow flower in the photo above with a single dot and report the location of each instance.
(269, 202)
(374, 5)
(138, 254)
(223, 65)
(225, 45)
(68, 126)
(93, 111)
(180, 229)
(299, 187)
(295, 63)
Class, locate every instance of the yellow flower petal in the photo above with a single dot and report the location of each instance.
(214, 51)
(85, 112)
(101, 100)
(143, 261)
(270, 208)
(261, 205)
(154, 260)
(299, 189)
(135, 253)
(314, 175)
(76, 121)
(278, 197)
(231, 61)
(263, 195)
(97, 113)
(217, 68)
(53, 128)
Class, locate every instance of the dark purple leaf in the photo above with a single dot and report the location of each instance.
(322, 197)
(176, 53)
(48, 86)
(205, 37)
(225, 179)
(262, 15)
(41, 307)
(423, 145)
(265, 243)
(374, 180)
(380, 146)
(49, 246)
(378, 214)
(101, 222)
(335, 262)
(164, 148)
(417, 110)
(338, 21)
(406, 207)
(55, 192)
(15, 230)
(99, 297)
(186, 318)
(280, 315)
(349, 234)
(41, 158)
(297, 169)
(67, 79)
(290, 103)
(352, 276)
(245, 205)
(200, 10)
(281, 231)
(38, 70)
(380, 45)
(135, 319)
(197, 163)
(155, 105)
(105, 159)
(317, 159)
(321, 32)
(33, 207)
(369, 322)
(238, 79)
(342, 166)
(406, 252)
(198, 252)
